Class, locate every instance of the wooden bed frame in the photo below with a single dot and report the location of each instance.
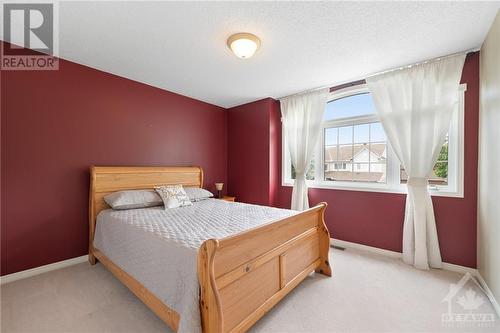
(242, 276)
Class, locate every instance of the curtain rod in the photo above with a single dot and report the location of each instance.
(384, 72)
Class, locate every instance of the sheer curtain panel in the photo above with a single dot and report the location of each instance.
(415, 106)
(302, 116)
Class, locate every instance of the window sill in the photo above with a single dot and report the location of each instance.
(374, 188)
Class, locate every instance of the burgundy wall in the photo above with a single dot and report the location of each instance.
(275, 152)
(250, 153)
(55, 124)
(376, 219)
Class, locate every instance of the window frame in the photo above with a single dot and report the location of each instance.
(393, 184)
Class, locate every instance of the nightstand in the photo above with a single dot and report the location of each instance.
(227, 198)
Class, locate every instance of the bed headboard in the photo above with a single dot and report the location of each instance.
(106, 179)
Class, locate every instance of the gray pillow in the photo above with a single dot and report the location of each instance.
(133, 199)
(197, 194)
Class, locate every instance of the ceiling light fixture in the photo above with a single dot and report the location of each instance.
(243, 44)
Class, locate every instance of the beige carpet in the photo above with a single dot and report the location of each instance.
(368, 293)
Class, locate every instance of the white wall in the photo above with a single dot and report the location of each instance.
(489, 161)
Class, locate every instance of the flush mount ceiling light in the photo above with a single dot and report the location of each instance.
(243, 44)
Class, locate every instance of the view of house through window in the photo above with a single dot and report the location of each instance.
(357, 152)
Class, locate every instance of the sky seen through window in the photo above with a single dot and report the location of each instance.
(352, 106)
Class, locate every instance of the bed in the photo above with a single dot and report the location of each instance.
(215, 266)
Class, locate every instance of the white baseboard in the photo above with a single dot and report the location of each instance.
(446, 266)
(42, 269)
(459, 269)
(350, 245)
(394, 254)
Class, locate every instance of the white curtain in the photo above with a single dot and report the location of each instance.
(415, 106)
(302, 117)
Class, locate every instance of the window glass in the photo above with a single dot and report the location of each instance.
(361, 159)
(331, 136)
(377, 133)
(362, 133)
(345, 134)
(351, 106)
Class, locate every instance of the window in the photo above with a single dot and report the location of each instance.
(353, 152)
(356, 153)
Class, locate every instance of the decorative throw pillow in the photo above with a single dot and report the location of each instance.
(197, 194)
(133, 199)
(173, 196)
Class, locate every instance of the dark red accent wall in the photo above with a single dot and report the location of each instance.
(275, 152)
(369, 218)
(55, 124)
(251, 152)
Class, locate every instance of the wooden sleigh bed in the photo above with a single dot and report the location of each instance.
(241, 277)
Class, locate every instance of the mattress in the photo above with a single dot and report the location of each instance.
(159, 247)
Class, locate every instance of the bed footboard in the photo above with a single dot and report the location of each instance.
(243, 276)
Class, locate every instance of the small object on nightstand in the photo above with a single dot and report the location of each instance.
(218, 187)
(228, 198)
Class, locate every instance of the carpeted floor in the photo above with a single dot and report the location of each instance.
(368, 293)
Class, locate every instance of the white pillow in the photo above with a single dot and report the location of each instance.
(197, 194)
(173, 196)
(133, 199)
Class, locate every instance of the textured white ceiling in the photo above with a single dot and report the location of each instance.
(181, 46)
